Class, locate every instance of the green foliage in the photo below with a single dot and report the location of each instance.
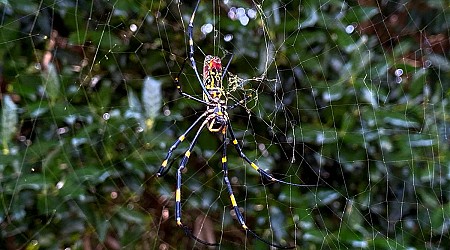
(350, 98)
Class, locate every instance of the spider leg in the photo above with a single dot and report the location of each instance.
(191, 51)
(226, 68)
(183, 163)
(239, 103)
(162, 170)
(180, 90)
(238, 213)
(262, 172)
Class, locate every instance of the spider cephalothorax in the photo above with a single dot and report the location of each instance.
(216, 119)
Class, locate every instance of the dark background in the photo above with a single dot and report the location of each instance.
(361, 116)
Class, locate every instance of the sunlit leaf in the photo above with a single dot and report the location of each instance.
(51, 82)
(151, 99)
(9, 122)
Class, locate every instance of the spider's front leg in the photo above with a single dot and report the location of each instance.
(191, 51)
(180, 89)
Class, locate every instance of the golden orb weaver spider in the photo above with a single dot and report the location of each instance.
(216, 119)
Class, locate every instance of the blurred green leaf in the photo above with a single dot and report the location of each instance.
(51, 82)
(131, 215)
(358, 14)
(327, 197)
(151, 99)
(350, 98)
(9, 122)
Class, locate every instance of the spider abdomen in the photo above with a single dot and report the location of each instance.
(212, 76)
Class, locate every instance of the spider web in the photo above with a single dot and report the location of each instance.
(349, 98)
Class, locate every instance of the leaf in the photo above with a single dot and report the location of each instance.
(70, 188)
(106, 40)
(31, 181)
(131, 215)
(343, 39)
(5, 2)
(418, 82)
(333, 93)
(33, 245)
(9, 121)
(406, 67)
(316, 134)
(151, 99)
(396, 118)
(51, 82)
(353, 216)
(134, 110)
(439, 61)
(311, 19)
(327, 197)
(359, 14)
(101, 226)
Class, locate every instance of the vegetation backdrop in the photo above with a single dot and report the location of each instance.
(348, 97)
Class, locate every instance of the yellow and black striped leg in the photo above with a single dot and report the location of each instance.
(164, 169)
(262, 172)
(191, 51)
(238, 213)
(227, 182)
(180, 90)
(183, 163)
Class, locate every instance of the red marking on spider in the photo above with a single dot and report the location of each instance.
(212, 63)
(216, 64)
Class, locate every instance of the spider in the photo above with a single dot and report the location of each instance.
(216, 119)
